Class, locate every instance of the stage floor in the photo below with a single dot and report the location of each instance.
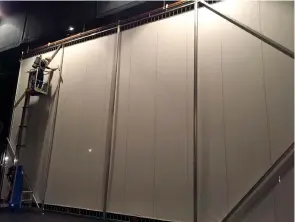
(38, 217)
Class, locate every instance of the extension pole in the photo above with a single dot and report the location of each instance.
(110, 126)
(53, 129)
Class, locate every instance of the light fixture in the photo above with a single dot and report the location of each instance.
(89, 150)
(6, 158)
(71, 28)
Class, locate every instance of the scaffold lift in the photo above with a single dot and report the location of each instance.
(21, 193)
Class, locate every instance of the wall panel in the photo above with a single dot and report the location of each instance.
(77, 165)
(277, 22)
(153, 140)
(211, 125)
(141, 120)
(246, 95)
(244, 111)
(172, 164)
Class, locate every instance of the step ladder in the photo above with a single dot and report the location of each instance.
(27, 194)
(27, 198)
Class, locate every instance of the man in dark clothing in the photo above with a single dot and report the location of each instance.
(10, 178)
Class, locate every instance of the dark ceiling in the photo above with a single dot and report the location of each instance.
(49, 21)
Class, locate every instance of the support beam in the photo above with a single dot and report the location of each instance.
(195, 142)
(263, 186)
(251, 31)
(111, 117)
(53, 129)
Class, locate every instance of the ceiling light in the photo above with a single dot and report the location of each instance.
(90, 150)
(71, 28)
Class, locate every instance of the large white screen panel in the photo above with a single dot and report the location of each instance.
(152, 157)
(77, 165)
(172, 161)
(212, 184)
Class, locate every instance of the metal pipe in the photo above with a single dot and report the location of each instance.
(115, 27)
(20, 142)
(52, 132)
(75, 37)
(110, 126)
(54, 54)
(195, 141)
(251, 31)
(106, 30)
(160, 13)
(155, 12)
(284, 163)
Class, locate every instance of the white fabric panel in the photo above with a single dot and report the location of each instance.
(212, 185)
(272, 18)
(37, 136)
(277, 21)
(152, 158)
(76, 174)
(244, 111)
(141, 120)
(279, 84)
(173, 193)
(244, 11)
(246, 95)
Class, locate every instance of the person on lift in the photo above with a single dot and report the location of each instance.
(40, 65)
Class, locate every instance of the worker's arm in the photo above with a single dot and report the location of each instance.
(53, 69)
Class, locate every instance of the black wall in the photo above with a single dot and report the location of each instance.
(9, 66)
